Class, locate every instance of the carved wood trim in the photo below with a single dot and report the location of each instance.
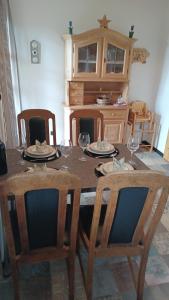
(140, 55)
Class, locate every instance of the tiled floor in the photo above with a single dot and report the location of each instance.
(112, 279)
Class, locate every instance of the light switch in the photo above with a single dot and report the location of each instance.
(35, 48)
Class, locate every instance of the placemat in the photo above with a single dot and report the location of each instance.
(113, 154)
(42, 160)
(97, 172)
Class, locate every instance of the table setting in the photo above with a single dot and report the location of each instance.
(112, 166)
(101, 149)
(41, 153)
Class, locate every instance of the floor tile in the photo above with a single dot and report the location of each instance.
(157, 271)
(122, 275)
(161, 242)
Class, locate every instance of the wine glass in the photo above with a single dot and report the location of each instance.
(83, 140)
(66, 149)
(21, 149)
(133, 145)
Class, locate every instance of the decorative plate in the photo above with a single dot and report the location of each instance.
(40, 151)
(100, 148)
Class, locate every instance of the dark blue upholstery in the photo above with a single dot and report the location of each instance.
(130, 204)
(41, 211)
(129, 207)
(37, 130)
(87, 125)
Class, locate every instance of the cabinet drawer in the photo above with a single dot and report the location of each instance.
(76, 100)
(76, 85)
(115, 114)
(77, 92)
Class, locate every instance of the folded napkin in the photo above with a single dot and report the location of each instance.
(115, 165)
(103, 145)
(118, 164)
(40, 147)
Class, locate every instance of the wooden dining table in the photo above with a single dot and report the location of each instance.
(85, 170)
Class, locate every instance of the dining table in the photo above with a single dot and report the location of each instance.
(85, 170)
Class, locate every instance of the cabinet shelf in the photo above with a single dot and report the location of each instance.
(85, 61)
(102, 92)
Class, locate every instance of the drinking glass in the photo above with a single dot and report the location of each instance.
(65, 148)
(21, 149)
(133, 145)
(83, 140)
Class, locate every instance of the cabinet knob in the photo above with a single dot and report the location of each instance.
(112, 114)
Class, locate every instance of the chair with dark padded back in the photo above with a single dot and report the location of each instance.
(35, 123)
(86, 120)
(125, 225)
(44, 226)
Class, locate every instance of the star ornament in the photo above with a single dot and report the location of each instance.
(104, 22)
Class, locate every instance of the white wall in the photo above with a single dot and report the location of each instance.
(162, 101)
(46, 21)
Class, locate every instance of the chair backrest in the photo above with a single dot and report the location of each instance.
(86, 120)
(35, 124)
(43, 215)
(139, 107)
(136, 201)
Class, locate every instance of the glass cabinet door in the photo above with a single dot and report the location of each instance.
(114, 64)
(114, 59)
(87, 59)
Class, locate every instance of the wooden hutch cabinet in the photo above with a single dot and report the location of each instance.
(97, 63)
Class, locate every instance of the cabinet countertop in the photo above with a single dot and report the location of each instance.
(97, 106)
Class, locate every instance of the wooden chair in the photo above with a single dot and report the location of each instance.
(86, 120)
(35, 124)
(141, 116)
(126, 224)
(42, 216)
(138, 113)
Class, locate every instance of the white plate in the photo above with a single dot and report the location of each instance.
(99, 150)
(43, 151)
(40, 156)
(109, 167)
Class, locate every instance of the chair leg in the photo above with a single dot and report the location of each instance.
(15, 280)
(71, 276)
(141, 277)
(89, 278)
